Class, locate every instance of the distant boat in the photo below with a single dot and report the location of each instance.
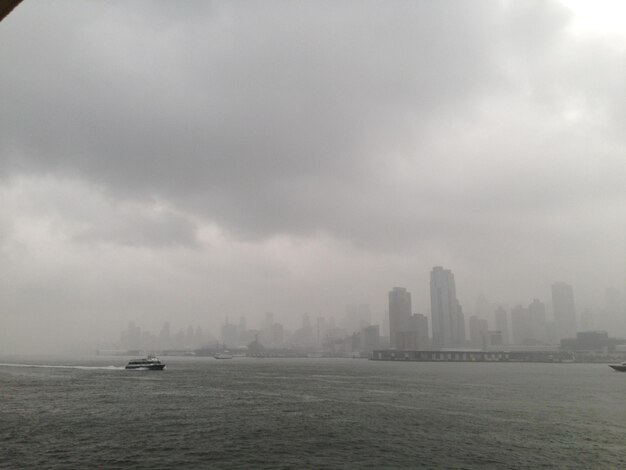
(223, 355)
(147, 363)
(618, 367)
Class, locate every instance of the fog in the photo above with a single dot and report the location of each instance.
(192, 161)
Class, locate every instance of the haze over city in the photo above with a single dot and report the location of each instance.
(185, 162)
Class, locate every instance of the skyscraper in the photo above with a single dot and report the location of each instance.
(415, 335)
(520, 325)
(564, 309)
(370, 338)
(420, 325)
(537, 321)
(478, 332)
(399, 313)
(446, 314)
(502, 323)
(482, 308)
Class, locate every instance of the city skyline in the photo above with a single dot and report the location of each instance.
(444, 327)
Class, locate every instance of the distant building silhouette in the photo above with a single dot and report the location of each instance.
(482, 308)
(590, 341)
(478, 332)
(415, 335)
(537, 322)
(446, 313)
(399, 314)
(370, 338)
(230, 335)
(419, 324)
(520, 325)
(564, 309)
(501, 318)
(552, 336)
(495, 338)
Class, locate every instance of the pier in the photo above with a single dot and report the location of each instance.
(472, 356)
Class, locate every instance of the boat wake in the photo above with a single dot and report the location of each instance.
(48, 366)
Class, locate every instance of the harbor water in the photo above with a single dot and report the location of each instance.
(309, 413)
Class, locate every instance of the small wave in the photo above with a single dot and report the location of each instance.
(49, 366)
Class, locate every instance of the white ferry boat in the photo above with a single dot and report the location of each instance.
(223, 355)
(147, 363)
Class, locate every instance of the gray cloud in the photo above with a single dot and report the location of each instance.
(280, 119)
(138, 229)
(236, 113)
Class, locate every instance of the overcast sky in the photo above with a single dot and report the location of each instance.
(185, 161)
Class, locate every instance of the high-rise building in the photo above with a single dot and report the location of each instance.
(446, 313)
(502, 323)
(537, 322)
(482, 308)
(564, 309)
(495, 338)
(399, 313)
(415, 335)
(551, 334)
(419, 324)
(370, 338)
(520, 326)
(230, 338)
(478, 332)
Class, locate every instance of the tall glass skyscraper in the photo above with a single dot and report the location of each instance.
(399, 313)
(446, 314)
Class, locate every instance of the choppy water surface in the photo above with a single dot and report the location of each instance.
(321, 413)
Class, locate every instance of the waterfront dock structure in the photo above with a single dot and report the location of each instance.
(472, 356)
